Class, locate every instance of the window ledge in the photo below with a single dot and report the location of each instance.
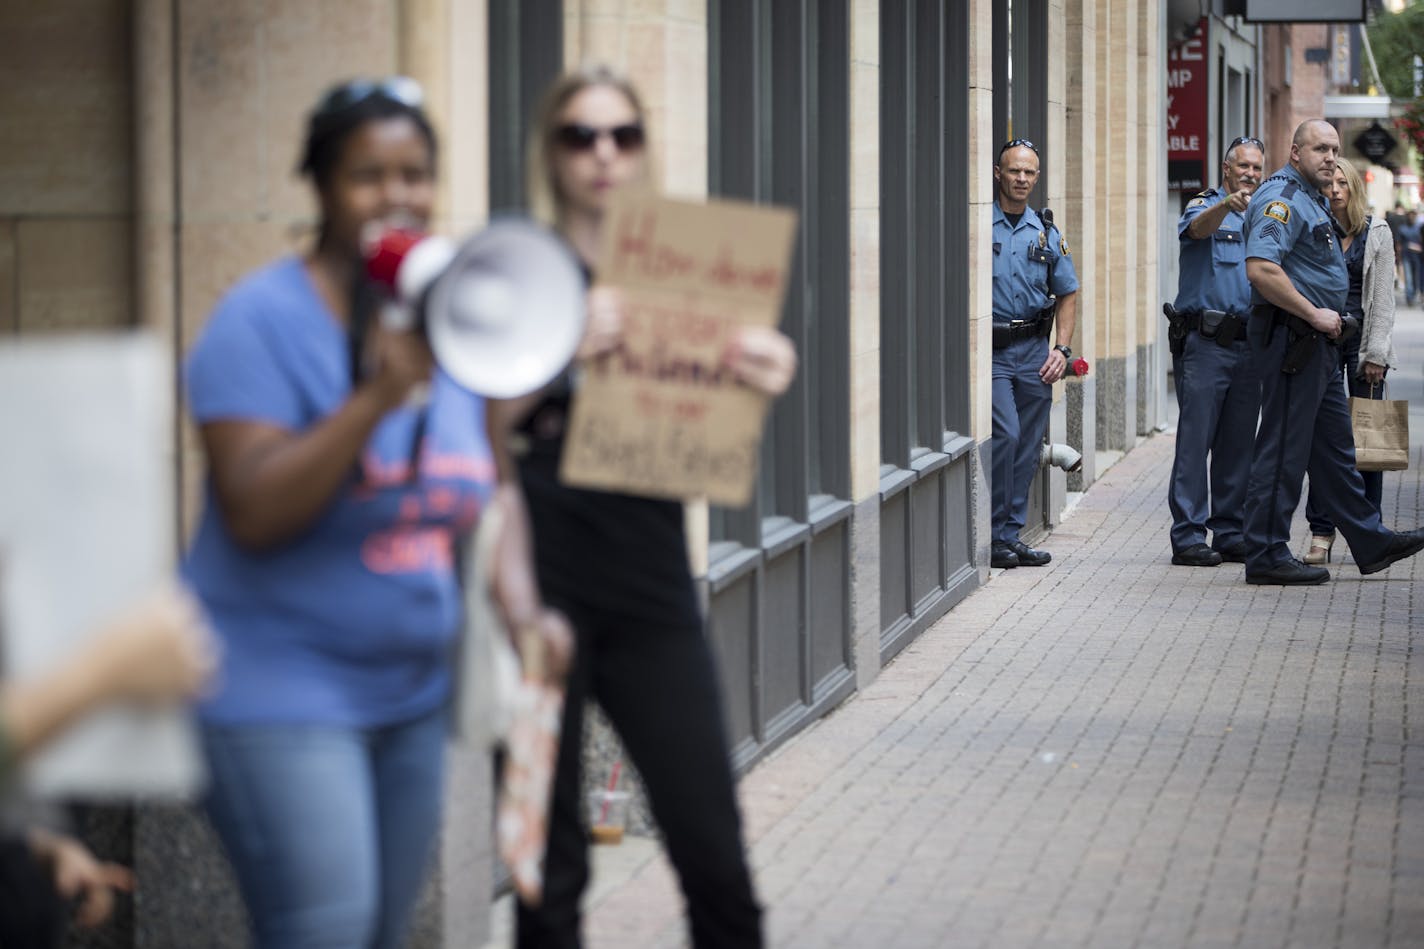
(927, 461)
(956, 446)
(828, 511)
(894, 481)
(729, 563)
(780, 534)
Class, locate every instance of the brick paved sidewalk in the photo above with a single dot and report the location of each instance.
(1110, 751)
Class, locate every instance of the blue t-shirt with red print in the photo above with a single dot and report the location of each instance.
(352, 622)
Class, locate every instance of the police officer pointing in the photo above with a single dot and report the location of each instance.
(1034, 287)
(1217, 390)
(1299, 285)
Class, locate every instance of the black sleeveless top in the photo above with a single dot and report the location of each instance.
(604, 551)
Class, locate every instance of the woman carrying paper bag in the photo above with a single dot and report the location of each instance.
(1368, 248)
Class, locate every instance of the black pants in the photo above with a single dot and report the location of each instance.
(1320, 523)
(648, 664)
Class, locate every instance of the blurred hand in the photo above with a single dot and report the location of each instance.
(1238, 200)
(604, 328)
(77, 873)
(514, 586)
(763, 358)
(1373, 373)
(556, 642)
(161, 650)
(399, 360)
(1053, 367)
(1326, 321)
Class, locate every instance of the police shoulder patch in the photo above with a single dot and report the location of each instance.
(1063, 246)
(1278, 210)
(1197, 202)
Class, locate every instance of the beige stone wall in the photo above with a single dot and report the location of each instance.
(1056, 158)
(66, 204)
(1124, 162)
(1107, 101)
(865, 249)
(982, 148)
(1151, 139)
(1080, 198)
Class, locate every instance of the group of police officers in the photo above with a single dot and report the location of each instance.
(1252, 332)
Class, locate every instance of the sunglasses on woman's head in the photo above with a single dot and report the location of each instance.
(581, 138)
(401, 89)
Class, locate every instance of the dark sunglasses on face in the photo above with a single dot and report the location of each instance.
(581, 138)
(401, 89)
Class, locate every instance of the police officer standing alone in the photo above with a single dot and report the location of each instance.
(1217, 390)
(1034, 282)
(1299, 285)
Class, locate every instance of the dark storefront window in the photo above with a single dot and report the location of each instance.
(779, 133)
(526, 53)
(924, 226)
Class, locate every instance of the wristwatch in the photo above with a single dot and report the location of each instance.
(1067, 351)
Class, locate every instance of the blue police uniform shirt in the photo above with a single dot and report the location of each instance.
(1288, 222)
(1021, 258)
(1212, 271)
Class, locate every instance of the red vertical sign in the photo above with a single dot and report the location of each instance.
(1187, 112)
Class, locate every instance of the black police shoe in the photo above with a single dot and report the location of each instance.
(1002, 555)
(1236, 553)
(1197, 555)
(1028, 557)
(1292, 573)
(1400, 546)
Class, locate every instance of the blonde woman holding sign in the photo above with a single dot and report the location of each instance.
(616, 564)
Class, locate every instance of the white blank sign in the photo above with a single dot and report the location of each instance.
(86, 495)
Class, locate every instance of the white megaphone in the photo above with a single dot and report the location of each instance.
(503, 311)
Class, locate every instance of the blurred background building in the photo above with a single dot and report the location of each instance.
(147, 155)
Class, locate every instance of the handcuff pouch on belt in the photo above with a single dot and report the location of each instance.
(1220, 326)
(1217, 325)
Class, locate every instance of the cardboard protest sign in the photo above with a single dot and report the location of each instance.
(660, 415)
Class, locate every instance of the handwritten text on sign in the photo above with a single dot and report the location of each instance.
(661, 415)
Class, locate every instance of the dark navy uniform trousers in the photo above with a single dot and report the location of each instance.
(1021, 405)
(1218, 397)
(1305, 427)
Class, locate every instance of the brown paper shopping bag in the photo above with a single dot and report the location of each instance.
(1381, 433)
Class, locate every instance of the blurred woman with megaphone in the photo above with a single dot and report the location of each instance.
(324, 555)
(617, 564)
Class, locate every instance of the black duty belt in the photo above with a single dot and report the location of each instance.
(1007, 332)
(1217, 325)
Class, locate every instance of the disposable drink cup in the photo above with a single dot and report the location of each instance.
(607, 815)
